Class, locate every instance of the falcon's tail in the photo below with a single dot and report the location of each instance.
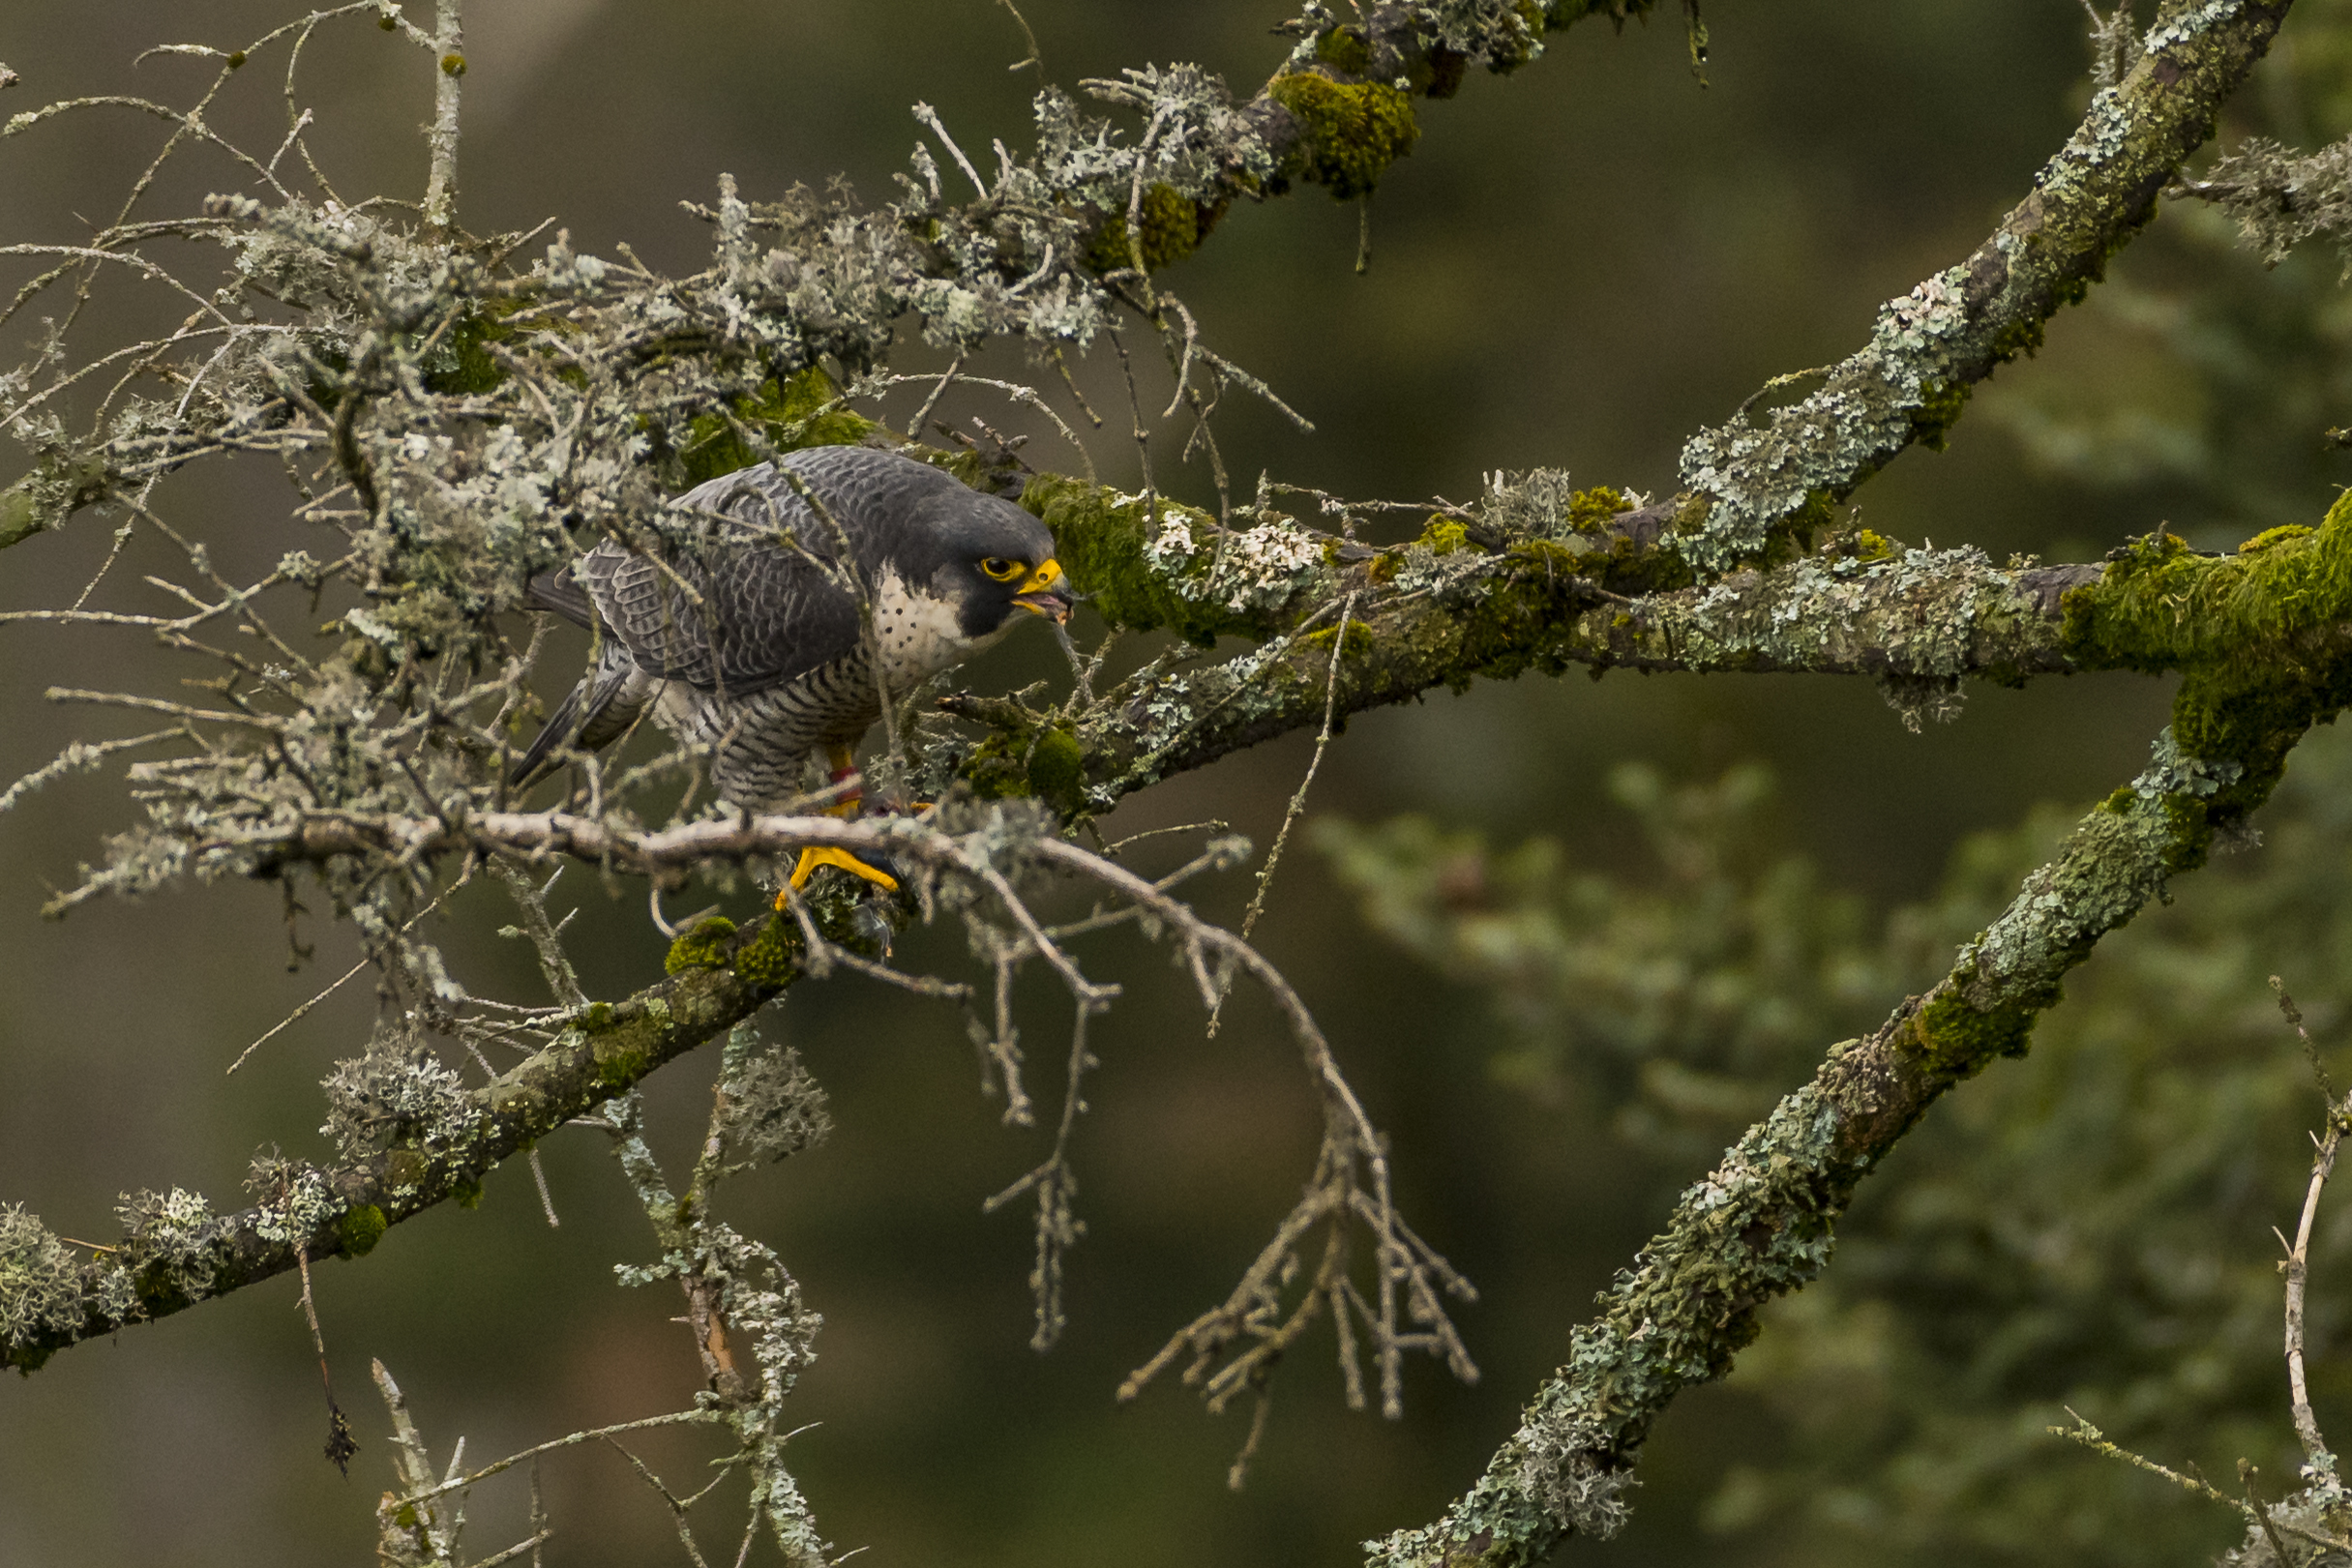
(598, 710)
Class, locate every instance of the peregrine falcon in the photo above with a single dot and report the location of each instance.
(746, 635)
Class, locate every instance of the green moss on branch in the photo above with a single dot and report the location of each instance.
(1348, 133)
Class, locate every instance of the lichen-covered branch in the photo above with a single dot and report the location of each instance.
(2282, 601)
(1053, 246)
(1928, 349)
(423, 1138)
(49, 1299)
(442, 137)
(1425, 619)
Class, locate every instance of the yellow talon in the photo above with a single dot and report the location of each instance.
(813, 857)
(844, 767)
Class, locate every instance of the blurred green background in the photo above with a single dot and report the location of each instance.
(1577, 267)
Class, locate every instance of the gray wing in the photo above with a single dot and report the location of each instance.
(769, 613)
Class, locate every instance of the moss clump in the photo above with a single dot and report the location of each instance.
(1435, 70)
(1348, 133)
(619, 1061)
(2240, 629)
(1360, 640)
(1628, 567)
(1345, 49)
(463, 366)
(361, 1228)
(1870, 545)
(1443, 536)
(467, 1191)
(801, 410)
(1940, 408)
(2161, 606)
(1058, 771)
(1958, 1038)
(1027, 759)
(993, 768)
(773, 958)
(703, 948)
(1169, 229)
(1590, 510)
(2275, 535)
(1107, 541)
(2222, 718)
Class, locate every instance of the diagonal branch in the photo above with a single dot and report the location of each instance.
(1928, 349)
(344, 1210)
(1760, 1224)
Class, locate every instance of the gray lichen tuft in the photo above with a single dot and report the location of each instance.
(774, 1106)
(2281, 199)
(170, 1242)
(397, 1095)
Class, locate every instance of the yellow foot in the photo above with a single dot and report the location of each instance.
(813, 857)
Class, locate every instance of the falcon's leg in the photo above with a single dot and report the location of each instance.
(845, 768)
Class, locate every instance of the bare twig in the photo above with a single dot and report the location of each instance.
(2298, 1254)
(448, 69)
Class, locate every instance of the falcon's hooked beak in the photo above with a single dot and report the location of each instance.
(1046, 593)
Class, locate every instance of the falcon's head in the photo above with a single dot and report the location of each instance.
(989, 559)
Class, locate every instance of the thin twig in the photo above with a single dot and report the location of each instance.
(1299, 799)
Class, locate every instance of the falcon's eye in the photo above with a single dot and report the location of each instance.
(999, 570)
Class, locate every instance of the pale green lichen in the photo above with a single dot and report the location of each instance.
(1921, 613)
(774, 1106)
(295, 1200)
(1146, 561)
(399, 1094)
(41, 1280)
(1896, 389)
(171, 1242)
